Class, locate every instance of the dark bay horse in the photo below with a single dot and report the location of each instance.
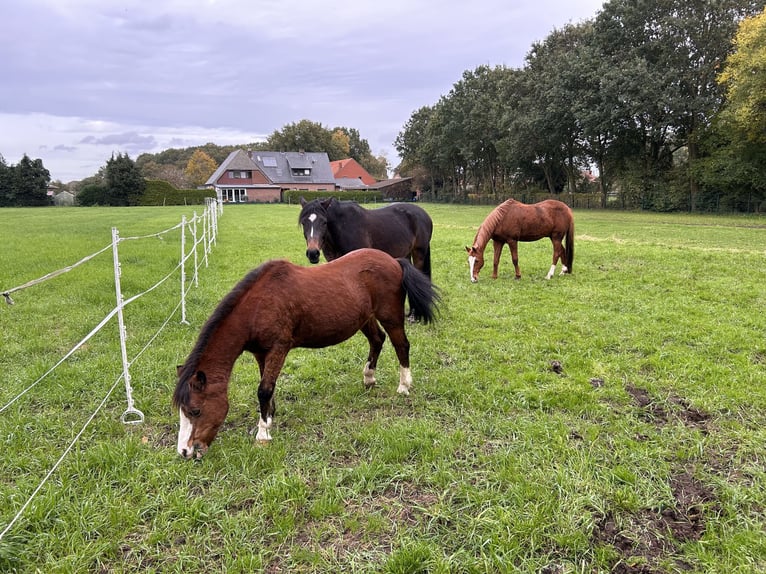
(280, 306)
(338, 227)
(511, 222)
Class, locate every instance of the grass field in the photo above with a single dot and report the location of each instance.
(644, 454)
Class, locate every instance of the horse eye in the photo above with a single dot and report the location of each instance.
(194, 413)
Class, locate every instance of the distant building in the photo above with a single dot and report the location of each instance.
(261, 176)
(349, 169)
(63, 198)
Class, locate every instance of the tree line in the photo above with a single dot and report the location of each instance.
(664, 98)
(122, 181)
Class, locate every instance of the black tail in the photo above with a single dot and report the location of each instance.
(569, 247)
(427, 262)
(421, 293)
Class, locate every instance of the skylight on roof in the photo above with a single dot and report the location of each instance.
(269, 161)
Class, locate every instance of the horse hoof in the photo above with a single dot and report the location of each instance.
(263, 441)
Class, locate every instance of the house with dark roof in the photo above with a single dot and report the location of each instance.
(261, 176)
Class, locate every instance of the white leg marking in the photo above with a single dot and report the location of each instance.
(184, 436)
(564, 269)
(405, 381)
(551, 272)
(471, 263)
(369, 376)
(263, 429)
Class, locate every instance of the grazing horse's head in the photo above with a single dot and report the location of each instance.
(313, 219)
(475, 262)
(203, 406)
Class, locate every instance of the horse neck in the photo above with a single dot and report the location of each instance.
(488, 226)
(482, 237)
(218, 356)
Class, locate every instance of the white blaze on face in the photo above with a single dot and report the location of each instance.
(184, 436)
(312, 219)
(471, 264)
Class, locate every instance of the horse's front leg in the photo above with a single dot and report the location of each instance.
(514, 247)
(376, 337)
(497, 246)
(271, 365)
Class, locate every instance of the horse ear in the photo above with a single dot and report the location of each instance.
(178, 370)
(199, 381)
(327, 202)
(303, 201)
(468, 249)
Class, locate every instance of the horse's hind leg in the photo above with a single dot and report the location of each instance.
(402, 346)
(376, 337)
(558, 254)
(270, 365)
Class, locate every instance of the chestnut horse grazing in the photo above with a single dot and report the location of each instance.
(511, 222)
(280, 306)
(338, 227)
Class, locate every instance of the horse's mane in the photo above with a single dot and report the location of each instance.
(223, 310)
(488, 226)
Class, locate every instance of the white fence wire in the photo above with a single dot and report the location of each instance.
(200, 241)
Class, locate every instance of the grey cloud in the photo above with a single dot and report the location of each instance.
(127, 139)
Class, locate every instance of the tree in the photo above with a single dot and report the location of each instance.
(306, 136)
(744, 78)
(7, 195)
(732, 174)
(546, 119)
(124, 181)
(359, 149)
(199, 168)
(665, 54)
(30, 181)
(174, 175)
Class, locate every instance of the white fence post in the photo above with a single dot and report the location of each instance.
(183, 271)
(131, 415)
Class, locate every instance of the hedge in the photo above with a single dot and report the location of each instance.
(160, 192)
(294, 196)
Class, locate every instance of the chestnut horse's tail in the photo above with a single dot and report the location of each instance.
(421, 293)
(569, 247)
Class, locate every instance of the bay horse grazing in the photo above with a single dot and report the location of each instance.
(279, 306)
(512, 221)
(337, 227)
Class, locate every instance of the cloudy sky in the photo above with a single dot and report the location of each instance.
(82, 79)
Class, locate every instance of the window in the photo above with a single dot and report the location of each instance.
(230, 195)
(236, 174)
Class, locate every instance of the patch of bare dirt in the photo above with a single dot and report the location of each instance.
(651, 536)
(660, 414)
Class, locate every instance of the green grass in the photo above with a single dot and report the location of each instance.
(645, 454)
